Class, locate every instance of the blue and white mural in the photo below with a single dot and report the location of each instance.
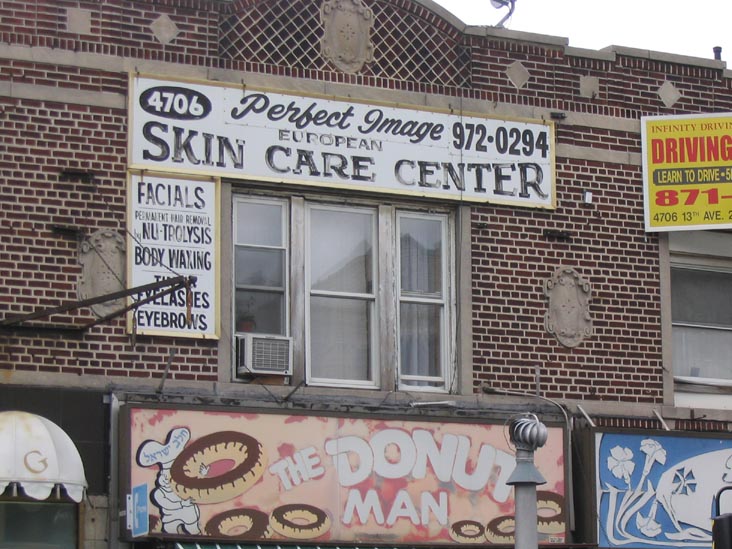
(659, 490)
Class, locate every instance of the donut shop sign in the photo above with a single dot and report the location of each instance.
(251, 476)
(243, 133)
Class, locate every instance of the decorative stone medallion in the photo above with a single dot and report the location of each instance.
(568, 315)
(346, 41)
(102, 258)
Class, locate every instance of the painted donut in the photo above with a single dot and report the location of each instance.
(239, 523)
(299, 521)
(501, 529)
(550, 508)
(217, 467)
(467, 531)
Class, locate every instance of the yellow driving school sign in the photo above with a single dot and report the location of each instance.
(687, 172)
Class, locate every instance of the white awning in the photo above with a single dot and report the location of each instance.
(38, 454)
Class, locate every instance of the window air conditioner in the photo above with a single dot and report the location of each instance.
(263, 354)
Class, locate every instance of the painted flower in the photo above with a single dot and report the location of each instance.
(620, 463)
(684, 482)
(648, 525)
(655, 453)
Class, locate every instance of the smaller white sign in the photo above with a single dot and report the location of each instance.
(173, 233)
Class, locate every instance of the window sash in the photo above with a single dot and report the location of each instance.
(260, 231)
(701, 296)
(701, 321)
(341, 336)
(420, 344)
(702, 352)
(423, 281)
(352, 284)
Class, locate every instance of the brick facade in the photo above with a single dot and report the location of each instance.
(64, 115)
(511, 255)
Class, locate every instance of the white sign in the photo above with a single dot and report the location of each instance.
(173, 233)
(251, 134)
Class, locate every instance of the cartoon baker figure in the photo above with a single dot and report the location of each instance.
(178, 515)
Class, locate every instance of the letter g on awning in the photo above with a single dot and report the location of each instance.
(37, 454)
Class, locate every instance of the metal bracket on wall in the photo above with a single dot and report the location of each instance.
(16, 323)
(659, 417)
(586, 416)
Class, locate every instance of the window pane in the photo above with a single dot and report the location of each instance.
(259, 224)
(340, 337)
(260, 267)
(341, 249)
(260, 312)
(421, 255)
(47, 525)
(420, 327)
(703, 297)
(702, 352)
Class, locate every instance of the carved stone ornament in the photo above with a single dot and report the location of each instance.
(102, 258)
(346, 38)
(568, 316)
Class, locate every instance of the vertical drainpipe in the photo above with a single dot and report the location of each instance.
(527, 435)
(113, 523)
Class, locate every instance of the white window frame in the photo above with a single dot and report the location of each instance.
(285, 231)
(702, 267)
(446, 298)
(374, 382)
(700, 251)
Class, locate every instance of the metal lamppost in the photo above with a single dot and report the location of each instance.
(527, 435)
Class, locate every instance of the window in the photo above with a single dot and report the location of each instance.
(422, 300)
(701, 304)
(702, 321)
(375, 301)
(38, 524)
(342, 295)
(260, 256)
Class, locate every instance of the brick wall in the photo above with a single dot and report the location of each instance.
(606, 245)
(40, 264)
(512, 256)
